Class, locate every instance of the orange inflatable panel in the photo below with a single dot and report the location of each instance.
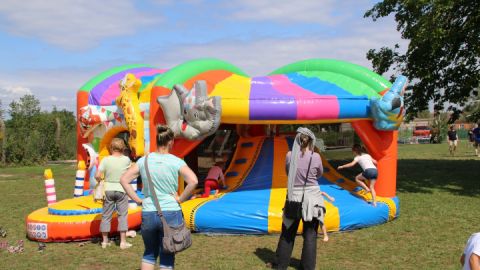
(74, 219)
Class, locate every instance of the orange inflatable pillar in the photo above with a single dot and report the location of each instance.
(382, 145)
(156, 114)
(82, 100)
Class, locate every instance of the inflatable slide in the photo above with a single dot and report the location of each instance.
(257, 188)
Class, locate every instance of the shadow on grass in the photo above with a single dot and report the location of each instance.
(459, 177)
(268, 256)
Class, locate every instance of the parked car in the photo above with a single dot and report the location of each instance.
(422, 131)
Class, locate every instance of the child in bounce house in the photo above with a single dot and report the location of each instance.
(369, 168)
(330, 198)
(214, 177)
(113, 167)
(322, 224)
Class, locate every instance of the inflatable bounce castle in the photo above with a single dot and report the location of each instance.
(199, 96)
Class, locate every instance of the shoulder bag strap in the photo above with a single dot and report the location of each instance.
(151, 188)
(306, 176)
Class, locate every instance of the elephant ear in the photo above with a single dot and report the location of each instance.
(172, 111)
(200, 92)
(215, 111)
(211, 106)
(181, 91)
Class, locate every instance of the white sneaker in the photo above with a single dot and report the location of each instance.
(105, 245)
(125, 245)
(131, 234)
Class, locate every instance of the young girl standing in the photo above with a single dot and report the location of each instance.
(369, 168)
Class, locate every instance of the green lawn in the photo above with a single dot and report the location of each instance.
(439, 198)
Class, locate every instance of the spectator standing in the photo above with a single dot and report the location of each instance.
(470, 259)
(164, 169)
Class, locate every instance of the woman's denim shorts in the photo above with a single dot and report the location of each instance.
(152, 234)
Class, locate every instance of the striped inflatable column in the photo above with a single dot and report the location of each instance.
(79, 179)
(131, 203)
(50, 187)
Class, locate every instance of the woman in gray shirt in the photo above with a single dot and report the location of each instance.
(302, 183)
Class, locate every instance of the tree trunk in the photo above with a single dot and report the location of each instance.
(58, 130)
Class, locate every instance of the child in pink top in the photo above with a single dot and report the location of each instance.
(214, 177)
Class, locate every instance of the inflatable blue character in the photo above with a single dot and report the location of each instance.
(388, 111)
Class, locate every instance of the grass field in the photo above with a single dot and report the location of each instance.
(439, 196)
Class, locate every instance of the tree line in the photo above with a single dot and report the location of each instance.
(31, 136)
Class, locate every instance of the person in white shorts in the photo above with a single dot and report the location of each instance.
(470, 259)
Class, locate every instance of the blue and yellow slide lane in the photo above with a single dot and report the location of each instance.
(257, 188)
(243, 160)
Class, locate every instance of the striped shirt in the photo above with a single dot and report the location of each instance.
(164, 172)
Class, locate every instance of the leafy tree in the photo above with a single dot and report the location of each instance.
(2, 136)
(27, 107)
(440, 125)
(424, 114)
(24, 123)
(67, 133)
(443, 56)
(39, 136)
(472, 111)
(1, 110)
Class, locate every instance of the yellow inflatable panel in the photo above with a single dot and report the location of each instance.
(233, 181)
(235, 93)
(279, 182)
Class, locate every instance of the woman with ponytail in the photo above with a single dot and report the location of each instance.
(304, 167)
(164, 169)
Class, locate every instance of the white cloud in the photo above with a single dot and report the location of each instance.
(73, 24)
(325, 12)
(262, 56)
(55, 99)
(15, 91)
(286, 11)
(53, 87)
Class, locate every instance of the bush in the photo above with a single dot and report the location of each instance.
(35, 137)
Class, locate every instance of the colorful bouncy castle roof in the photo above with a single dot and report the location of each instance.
(104, 88)
(317, 89)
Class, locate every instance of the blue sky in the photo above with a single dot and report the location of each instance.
(51, 48)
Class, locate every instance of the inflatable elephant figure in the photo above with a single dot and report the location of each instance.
(388, 111)
(191, 114)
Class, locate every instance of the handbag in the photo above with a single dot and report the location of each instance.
(175, 239)
(293, 209)
(99, 191)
